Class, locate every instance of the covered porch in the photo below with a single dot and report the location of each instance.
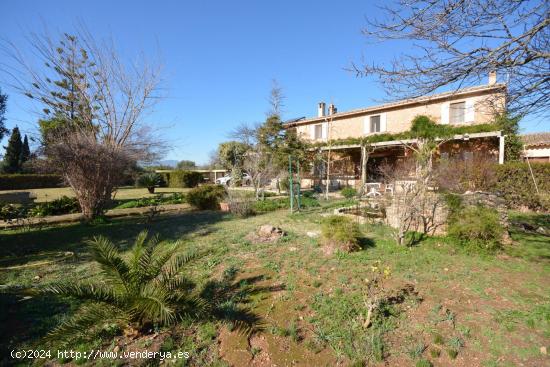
(360, 166)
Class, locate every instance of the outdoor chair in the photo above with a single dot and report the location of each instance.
(372, 189)
(388, 188)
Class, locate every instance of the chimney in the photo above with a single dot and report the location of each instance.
(492, 77)
(321, 109)
(332, 109)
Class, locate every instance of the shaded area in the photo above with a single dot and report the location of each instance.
(16, 246)
(26, 317)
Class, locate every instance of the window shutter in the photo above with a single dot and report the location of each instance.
(312, 131)
(325, 130)
(445, 112)
(383, 122)
(367, 125)
(470, 111)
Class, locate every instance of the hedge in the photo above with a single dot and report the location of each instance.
(515, 183)
(29, 181)
(185, 179)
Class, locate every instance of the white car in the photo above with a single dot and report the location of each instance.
(226, 180)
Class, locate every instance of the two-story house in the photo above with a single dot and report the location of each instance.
(469, 106)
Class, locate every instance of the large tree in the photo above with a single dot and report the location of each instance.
(12, 157)
(459, 42)
(94, 105)
(231, 155)
(3, 103)
(25, 151)
(185, 164)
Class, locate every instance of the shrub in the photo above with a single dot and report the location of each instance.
(185, 179)
(284, 203)
(515, 183)
(9, 212)
(240, 203)
(206, 197)
(458, 175)
(148, 180)
(175, 198)
(63, 205)
(271, 205)
(29, 181)
(341, 231)
(348, 192)
(477, 227)
(135, 293)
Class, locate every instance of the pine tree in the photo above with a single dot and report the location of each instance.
(12, 158)
(25, 151)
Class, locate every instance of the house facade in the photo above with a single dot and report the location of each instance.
(536, 147)
(465, 107)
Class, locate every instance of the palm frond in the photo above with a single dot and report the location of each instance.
(153, 304)
(88, 317)
(160, 257)
(174, 282)
(108, 256)
(86, 291)
(176, 263)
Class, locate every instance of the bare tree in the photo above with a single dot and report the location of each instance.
(98, 103)
(457, 42)
(276, 99)
(260, 167)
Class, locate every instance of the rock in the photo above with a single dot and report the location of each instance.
(543, 350)
(265, 234)
(312, 234)
(541, 230)
(36, 278)
(292, 249)
(268, 230)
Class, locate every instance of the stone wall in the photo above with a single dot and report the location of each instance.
(436, 204)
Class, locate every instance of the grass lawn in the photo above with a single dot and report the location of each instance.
(123, 193)
(442, 304)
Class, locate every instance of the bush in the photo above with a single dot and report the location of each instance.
(148, 180)
(477, 227)
(284, 203)
(146, 288)
(515, 183)
(458, 175)
(63, 205)
(185, 179)
(348, 192)
(240, 203)
(341, 231)
(9, 212)
(206, 197)
(175, 198)
(29, 181)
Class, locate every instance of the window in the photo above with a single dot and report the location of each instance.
(375, 124)
(457, 113)
(318, 132)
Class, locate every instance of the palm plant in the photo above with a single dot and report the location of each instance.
(148, 180)
(143, 289)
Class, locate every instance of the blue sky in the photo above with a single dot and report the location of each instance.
(220, 57)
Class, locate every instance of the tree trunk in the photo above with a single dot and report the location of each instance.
(328, 175)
